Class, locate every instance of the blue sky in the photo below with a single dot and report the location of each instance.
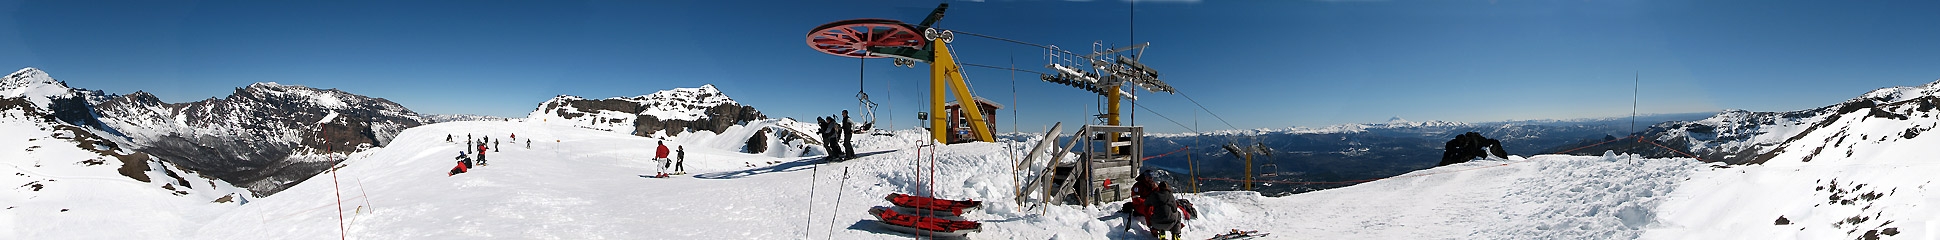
(1254, 63)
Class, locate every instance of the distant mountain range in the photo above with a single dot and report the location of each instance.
(266, 137)
(1364, 151)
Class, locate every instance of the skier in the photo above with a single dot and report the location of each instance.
(481, 153)
(528, 143)
(660, 159)
(515, 137)
(848, 136)
(494, 145)
(680, 160)
(464, 164)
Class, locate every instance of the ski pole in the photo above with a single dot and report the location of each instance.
(838, 202)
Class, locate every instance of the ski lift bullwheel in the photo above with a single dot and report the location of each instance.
(852, 38)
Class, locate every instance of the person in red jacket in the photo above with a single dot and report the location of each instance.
(660, 160)
(481, 153)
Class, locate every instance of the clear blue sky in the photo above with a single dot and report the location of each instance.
(1256, 63)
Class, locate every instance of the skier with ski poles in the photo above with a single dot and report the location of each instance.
(660, 160)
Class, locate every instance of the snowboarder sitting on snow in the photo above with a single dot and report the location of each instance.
(464, 164)
(660, 160)
(447, 137)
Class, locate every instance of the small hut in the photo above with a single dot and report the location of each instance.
(960, 125)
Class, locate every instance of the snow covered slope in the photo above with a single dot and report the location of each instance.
(1738, 136)
(72, 182)
(664, 113)
(1861, 169)
(577, 183)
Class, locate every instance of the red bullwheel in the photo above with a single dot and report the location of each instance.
(851, 38)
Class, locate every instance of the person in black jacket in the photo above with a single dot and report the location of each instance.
(680, 160)
(848, 136)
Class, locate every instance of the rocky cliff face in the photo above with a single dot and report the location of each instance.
(661, 114)
(265, 137)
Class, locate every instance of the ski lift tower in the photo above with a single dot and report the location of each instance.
(1113, 151)
(909, 44)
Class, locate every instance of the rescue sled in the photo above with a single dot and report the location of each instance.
(924, 226)
(937, 206)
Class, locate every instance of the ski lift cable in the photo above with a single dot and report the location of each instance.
(1004, 68)
(1049, 47)
(1208, 110)
(1168, 119)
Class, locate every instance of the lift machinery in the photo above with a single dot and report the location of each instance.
(885, 38)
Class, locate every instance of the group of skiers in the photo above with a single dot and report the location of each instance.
(838, 136)
(483, 144)
(679, 162)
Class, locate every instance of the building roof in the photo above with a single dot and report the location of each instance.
(980, 100)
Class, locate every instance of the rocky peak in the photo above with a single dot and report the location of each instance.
(265, 136)
(663, 113)
(36, 86)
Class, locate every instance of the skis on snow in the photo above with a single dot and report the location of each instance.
(925, 216)
(1236, 234)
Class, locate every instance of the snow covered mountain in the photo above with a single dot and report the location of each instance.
(1745, 137)
(661, 114)
(69, 178)
(266, 136)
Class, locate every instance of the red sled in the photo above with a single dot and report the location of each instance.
(923, 226)
(940, 206)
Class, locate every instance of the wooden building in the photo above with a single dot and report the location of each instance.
(960, 125)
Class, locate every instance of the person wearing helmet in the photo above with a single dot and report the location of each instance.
(464, 164)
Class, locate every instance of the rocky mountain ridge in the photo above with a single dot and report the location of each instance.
(664, 113)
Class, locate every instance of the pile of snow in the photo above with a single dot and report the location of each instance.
(797, 134)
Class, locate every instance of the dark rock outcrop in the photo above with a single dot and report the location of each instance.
(1469, 146)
